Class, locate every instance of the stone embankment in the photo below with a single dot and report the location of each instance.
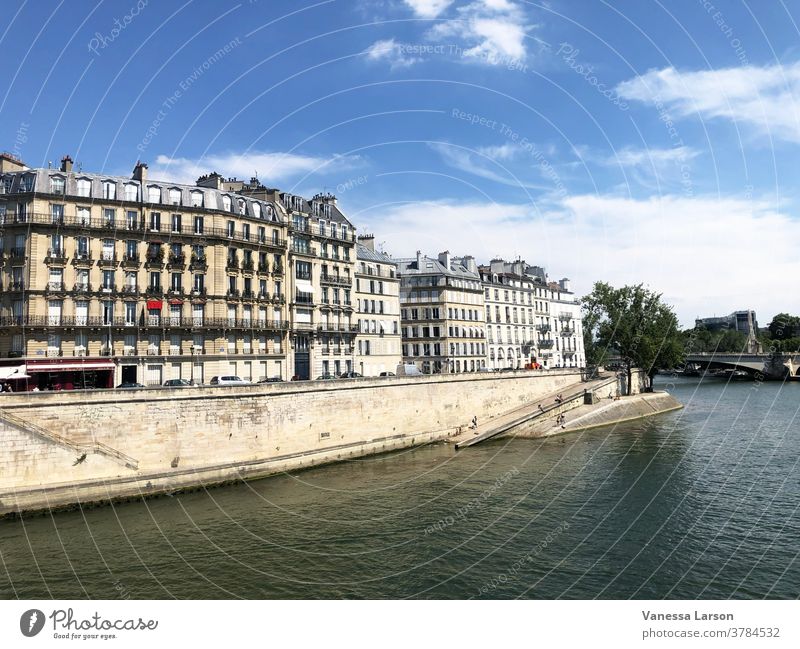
(65, 449)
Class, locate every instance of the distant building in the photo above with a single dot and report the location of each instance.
(742, 321)
(442, 313)
(377, 291)
(529, 319)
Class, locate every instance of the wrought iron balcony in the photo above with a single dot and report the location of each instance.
(56, 256)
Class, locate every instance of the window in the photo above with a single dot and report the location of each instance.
(197, 314)
(130, 313)
(154, 194)
(199, 283)
(302, 270)
(131, 219)
(108, 281)
(231, 229)
(108, 312)
(174, 314)
(197, 199)
(246, 231)
(83, 215)
(109, 190)
(226, 203)
(155, 221)
(109, 217)
(84, 187)
(198, 225)
(174, 196)
(131, 192)
(242, 207)
(155, 280)
(176, 282)
(176, 222)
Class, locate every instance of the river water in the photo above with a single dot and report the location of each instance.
(700, 503)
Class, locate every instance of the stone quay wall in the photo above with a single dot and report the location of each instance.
(59, 449)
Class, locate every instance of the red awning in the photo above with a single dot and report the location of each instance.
(154, 304)
(70, 366)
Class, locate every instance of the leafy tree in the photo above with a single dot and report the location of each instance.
(784, 326)
(633, 322)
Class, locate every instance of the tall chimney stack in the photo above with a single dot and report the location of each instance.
(140, 173)
(66, 164)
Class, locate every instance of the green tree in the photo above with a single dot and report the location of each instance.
(633, 322)
(784, 326)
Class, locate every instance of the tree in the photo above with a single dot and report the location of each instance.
(633, 322)
(784, 326)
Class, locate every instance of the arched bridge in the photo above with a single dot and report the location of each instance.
(750, 363)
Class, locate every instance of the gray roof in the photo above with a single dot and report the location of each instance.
(409, 267)
(212, 198)
(365, 254)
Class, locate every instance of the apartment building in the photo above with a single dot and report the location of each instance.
(529, 320)
(442, 314)
(322, 261)
(114, 279)
(377, 291)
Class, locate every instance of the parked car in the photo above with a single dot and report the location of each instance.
(326, 377)
(129, 385)
(272, 379)
(350, 375)
(387, 374)
(408, 369)
(178, 383)
(228, 380)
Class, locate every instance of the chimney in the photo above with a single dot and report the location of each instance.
(419, 260)
(212, 181)
(444, 259)
(368, 241)
(66, 164)
(519, 267)
(564, 284)
(469, 263)
(140, 173)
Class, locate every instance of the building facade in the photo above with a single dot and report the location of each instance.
(377, 291)
(108, 279)
(442, 314)
(529, 320)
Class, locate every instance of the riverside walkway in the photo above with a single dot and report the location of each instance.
(541, 411)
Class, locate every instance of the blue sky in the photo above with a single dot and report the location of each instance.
(620, 141)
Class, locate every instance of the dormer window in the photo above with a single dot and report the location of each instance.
(27, 184)
(56, 185)
(197, 199)
(153, 194)
(257, 210)
(84, 186)
(344, 231)
(226, 203)
(174, 196)
(109, 190)
(242, 207)
(322, 228)
(131, 192)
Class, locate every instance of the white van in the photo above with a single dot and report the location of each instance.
(228, 380)
(408, 369)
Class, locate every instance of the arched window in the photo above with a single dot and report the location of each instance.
(226, 203)
(57, 184)
(257, 210)
(242, 207)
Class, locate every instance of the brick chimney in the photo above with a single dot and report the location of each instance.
(66, 164)
(367, 240)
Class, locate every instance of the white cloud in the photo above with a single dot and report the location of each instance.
(706, 255)
(272, 167)
(479, 163)
(428, 8)
(631, 157)
(491, 31)
(764, 98)
(391, 51)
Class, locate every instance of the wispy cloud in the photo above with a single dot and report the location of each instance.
(482, 162)
(389, 50)
(764, 98)
(271, 167)
(428, 8)
(668, 242)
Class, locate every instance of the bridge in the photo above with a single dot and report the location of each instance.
(750, 363)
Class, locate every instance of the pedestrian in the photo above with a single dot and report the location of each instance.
(474, 422)
(540, 408)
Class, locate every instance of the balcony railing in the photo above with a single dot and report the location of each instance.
(56, 287)
(565, 315)
(56, 255)
(543, 328)
(544, 344)
(336, 279)
(567, 331)
(150, 322)
(17, 253)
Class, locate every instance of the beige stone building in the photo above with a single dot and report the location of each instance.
(442, 313)
(108, 279)
(530, 320)
(377, 291)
